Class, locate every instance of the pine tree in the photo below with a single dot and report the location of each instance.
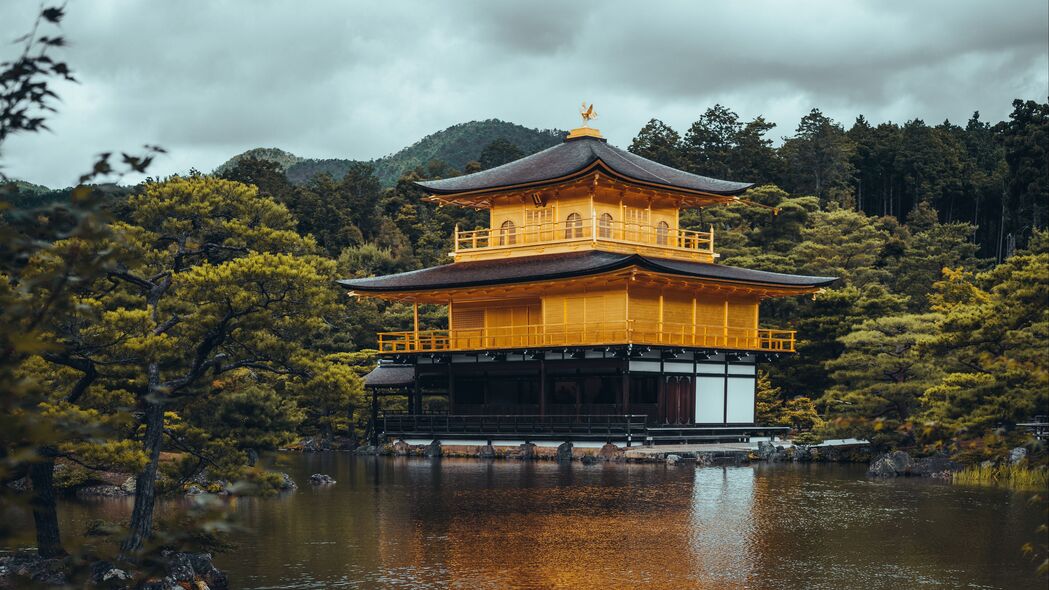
(658, 142)
(992, 342)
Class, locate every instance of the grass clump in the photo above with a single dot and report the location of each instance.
(1019, 476)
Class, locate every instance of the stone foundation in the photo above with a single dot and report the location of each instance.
(610, 453)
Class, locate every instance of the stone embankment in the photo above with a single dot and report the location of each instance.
(699, 454)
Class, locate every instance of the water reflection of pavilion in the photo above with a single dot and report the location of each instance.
(543, 525)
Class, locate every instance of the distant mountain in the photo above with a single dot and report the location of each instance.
(462, 143)
(24, 187)
(281, 157)
(455, 146)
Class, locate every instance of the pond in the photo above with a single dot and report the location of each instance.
(466, 523)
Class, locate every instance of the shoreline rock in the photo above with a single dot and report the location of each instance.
(321, 479)
(179, 570)
(901, 464)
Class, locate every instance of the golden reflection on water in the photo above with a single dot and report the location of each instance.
(583, 530)
(469, 524)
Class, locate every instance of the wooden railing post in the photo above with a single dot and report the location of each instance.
(415, 324)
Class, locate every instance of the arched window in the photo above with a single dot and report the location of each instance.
(507, 233)
(662, 232)
(604, 226)
(573, 226)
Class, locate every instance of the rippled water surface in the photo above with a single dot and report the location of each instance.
(460, 523)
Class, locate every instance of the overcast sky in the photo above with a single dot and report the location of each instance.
(209, 79)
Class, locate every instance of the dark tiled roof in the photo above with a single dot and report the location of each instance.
(558, 266)
(574, 156)
(390, 376)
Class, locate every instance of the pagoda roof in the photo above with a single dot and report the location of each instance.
(568, 265)
(577, 157)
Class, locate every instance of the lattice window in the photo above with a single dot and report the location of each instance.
(635, 216)
(662, 233)
(507, 233)
(573, 226)
(604, 226)
(539, 216)
(468, 319)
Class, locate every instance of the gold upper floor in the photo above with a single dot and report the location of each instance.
(595, 212)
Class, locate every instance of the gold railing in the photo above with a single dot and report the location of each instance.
(589, 229)
(599, 333)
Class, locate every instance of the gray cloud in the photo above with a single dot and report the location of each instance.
(360, 80)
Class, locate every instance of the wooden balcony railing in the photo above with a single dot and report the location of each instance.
(599, 333)
(586, 229)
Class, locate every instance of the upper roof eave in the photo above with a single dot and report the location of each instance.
(576, 158)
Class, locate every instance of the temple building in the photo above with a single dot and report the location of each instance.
(584, 310)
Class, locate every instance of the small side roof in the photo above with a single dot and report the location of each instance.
(568, 265)
(577, 157)
(388, 375)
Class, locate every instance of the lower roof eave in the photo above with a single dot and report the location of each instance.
(556, 267)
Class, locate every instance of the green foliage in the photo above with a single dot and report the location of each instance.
(281, 160)
(993, 337)
(329, 395)
(1025, 138)
(499, 152)
(799, 413)
(68, 477)
(820, 158)
(881, 376)
(658, 142)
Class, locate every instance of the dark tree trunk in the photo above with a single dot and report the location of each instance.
(45, 512)
(141, 526)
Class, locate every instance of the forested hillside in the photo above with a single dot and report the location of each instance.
(454, 147)
(283, 159)
(989, 174)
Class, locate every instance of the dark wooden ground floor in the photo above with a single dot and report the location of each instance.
(657, 387)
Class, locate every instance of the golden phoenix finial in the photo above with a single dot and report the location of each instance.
(588, 114)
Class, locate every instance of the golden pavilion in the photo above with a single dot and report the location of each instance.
(584, 310)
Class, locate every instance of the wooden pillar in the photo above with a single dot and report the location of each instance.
(417, 395)
(578, 392)
(724, 325)
(693, 320)
(415, 321)
(757, 331)
(451, 388)
(690, 417)
(451, 328)
(661, 315)
(661, 396)
(542, 387)
(625, 386)
(373, 440)
(629, 335)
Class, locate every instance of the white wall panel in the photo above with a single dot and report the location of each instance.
(740, 400)
(710, 400)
